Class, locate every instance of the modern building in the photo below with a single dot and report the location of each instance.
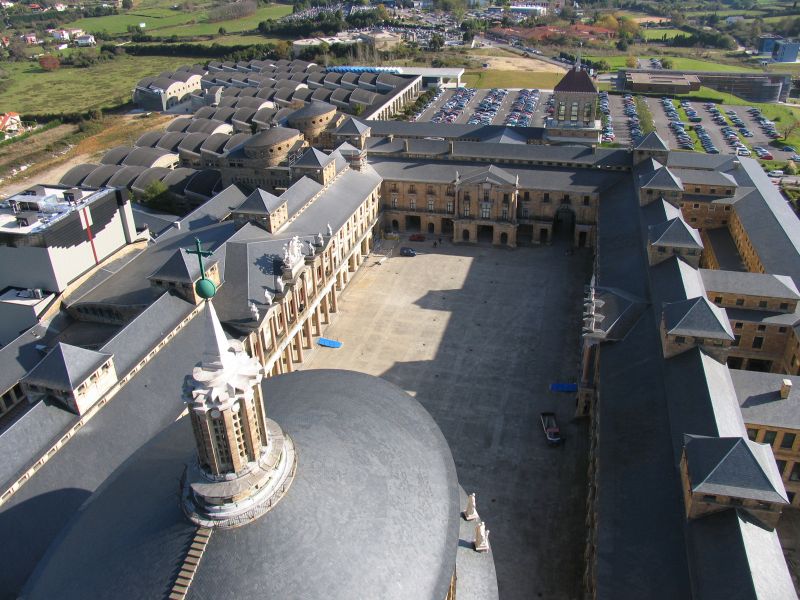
(785, 51)
(752, 86)
(766, 43)
(166, 90)
(661, 82)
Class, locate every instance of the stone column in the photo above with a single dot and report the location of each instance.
(298, 343)
(316, 322)
(287, 353)
(326, 310)
(307, 332)
(334, 303)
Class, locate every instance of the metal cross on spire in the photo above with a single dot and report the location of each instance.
(204, 287)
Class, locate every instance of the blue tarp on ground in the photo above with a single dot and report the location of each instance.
(329, 343)
(563, 387)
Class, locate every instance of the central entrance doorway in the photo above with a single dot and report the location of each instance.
(485, 233)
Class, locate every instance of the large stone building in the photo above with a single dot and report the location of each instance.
(682, 501)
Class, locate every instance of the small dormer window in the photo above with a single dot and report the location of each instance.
(680, 339)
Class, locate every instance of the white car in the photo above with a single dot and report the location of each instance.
(775, 173)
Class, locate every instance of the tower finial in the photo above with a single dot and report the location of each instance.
(204, 287)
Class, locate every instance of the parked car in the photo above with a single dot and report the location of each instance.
(406, 251)
(551, 430)
(416, 237)
(775, 173)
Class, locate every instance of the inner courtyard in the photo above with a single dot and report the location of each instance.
(477, 334)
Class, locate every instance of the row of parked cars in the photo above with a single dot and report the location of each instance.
(420, 112)
(705, 139)
(487, 109)
(523, 108)
(767, 126)
(607, 135)
(629, 108)
(453, 108)
(677, 126)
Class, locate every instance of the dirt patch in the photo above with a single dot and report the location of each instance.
(651, 19)
(49, 167)
(516, 63)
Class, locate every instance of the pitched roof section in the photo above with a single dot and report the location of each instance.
(313, 158)
(697, 317)
(180, 267)
(652, 141)
(750, 284)
(733, 466)
(352, 126)
(576, 81)
(65, 367)
(675, 233)
(491, 174)
(663, 179)
(260, 202)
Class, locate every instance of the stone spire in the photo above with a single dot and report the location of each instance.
(245, 462)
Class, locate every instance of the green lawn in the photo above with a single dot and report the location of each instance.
(616, 62)
(31, 90)
(511, 79)
(659, 34)
(165, 21)
(693, 64)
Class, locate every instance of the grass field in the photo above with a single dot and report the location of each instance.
(511, 79)
(165, 21)
(31, 90)
(616, 62)
(659, 34)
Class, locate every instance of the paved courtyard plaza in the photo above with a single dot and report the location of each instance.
(477, 334)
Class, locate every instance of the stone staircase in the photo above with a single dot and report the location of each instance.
(190, 564)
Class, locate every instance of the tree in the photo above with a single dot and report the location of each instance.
(791, 167)
(631, 62)
(666, 63)
(789, 128)
(222, 31)
(48, 62)
(622, 44)
(127, 4)
(436, 42)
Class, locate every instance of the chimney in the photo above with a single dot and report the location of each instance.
(451, 146)
(786, 388)
(405, 145)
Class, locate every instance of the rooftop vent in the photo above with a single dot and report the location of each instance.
(786, 388)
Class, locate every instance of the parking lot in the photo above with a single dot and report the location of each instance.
(502, 109)
(431, 324)
(619, 121)
(733, 122)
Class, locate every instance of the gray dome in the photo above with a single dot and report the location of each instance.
(373, 511)
(311, 110)
(270, 137)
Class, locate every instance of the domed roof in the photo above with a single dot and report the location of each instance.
(373, 511)
(311, 110)
(271, 137)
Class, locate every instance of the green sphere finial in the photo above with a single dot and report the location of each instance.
(205, 288)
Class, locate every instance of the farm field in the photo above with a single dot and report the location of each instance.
(510, 79)
(659, 34)
(165, 21)
(29, 89)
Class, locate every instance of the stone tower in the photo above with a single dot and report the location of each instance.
(245, 463)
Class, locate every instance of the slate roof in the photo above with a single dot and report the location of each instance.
(697, 317)
(576, 80)
(181, 267)
(65, 367)
(344, 417)
(675, 233)
(662, 179)
(750, 284)
(652, 141)
(733, 466)
(260, 202)
(692, 176)
(352, 126)
(313, 158)
(760, 401)
(491, 174)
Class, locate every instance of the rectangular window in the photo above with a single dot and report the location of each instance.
(505, 198)
(450, 206)
(504, 213)
(752, 434)
(717, 299)
(394, 202)
(466, 210)
(787, 441)
(795, 474)
(762, 304)
(769, 437)
(740, 302)
(781, 466)
(430, 205)
(736, 339)
(737, 325)
(758, 342)
(486, 212)
(412, 203)
(546, 197)
(680, 339)
(762, 328)
(784, 305)
(586, 200)
(525, 212)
